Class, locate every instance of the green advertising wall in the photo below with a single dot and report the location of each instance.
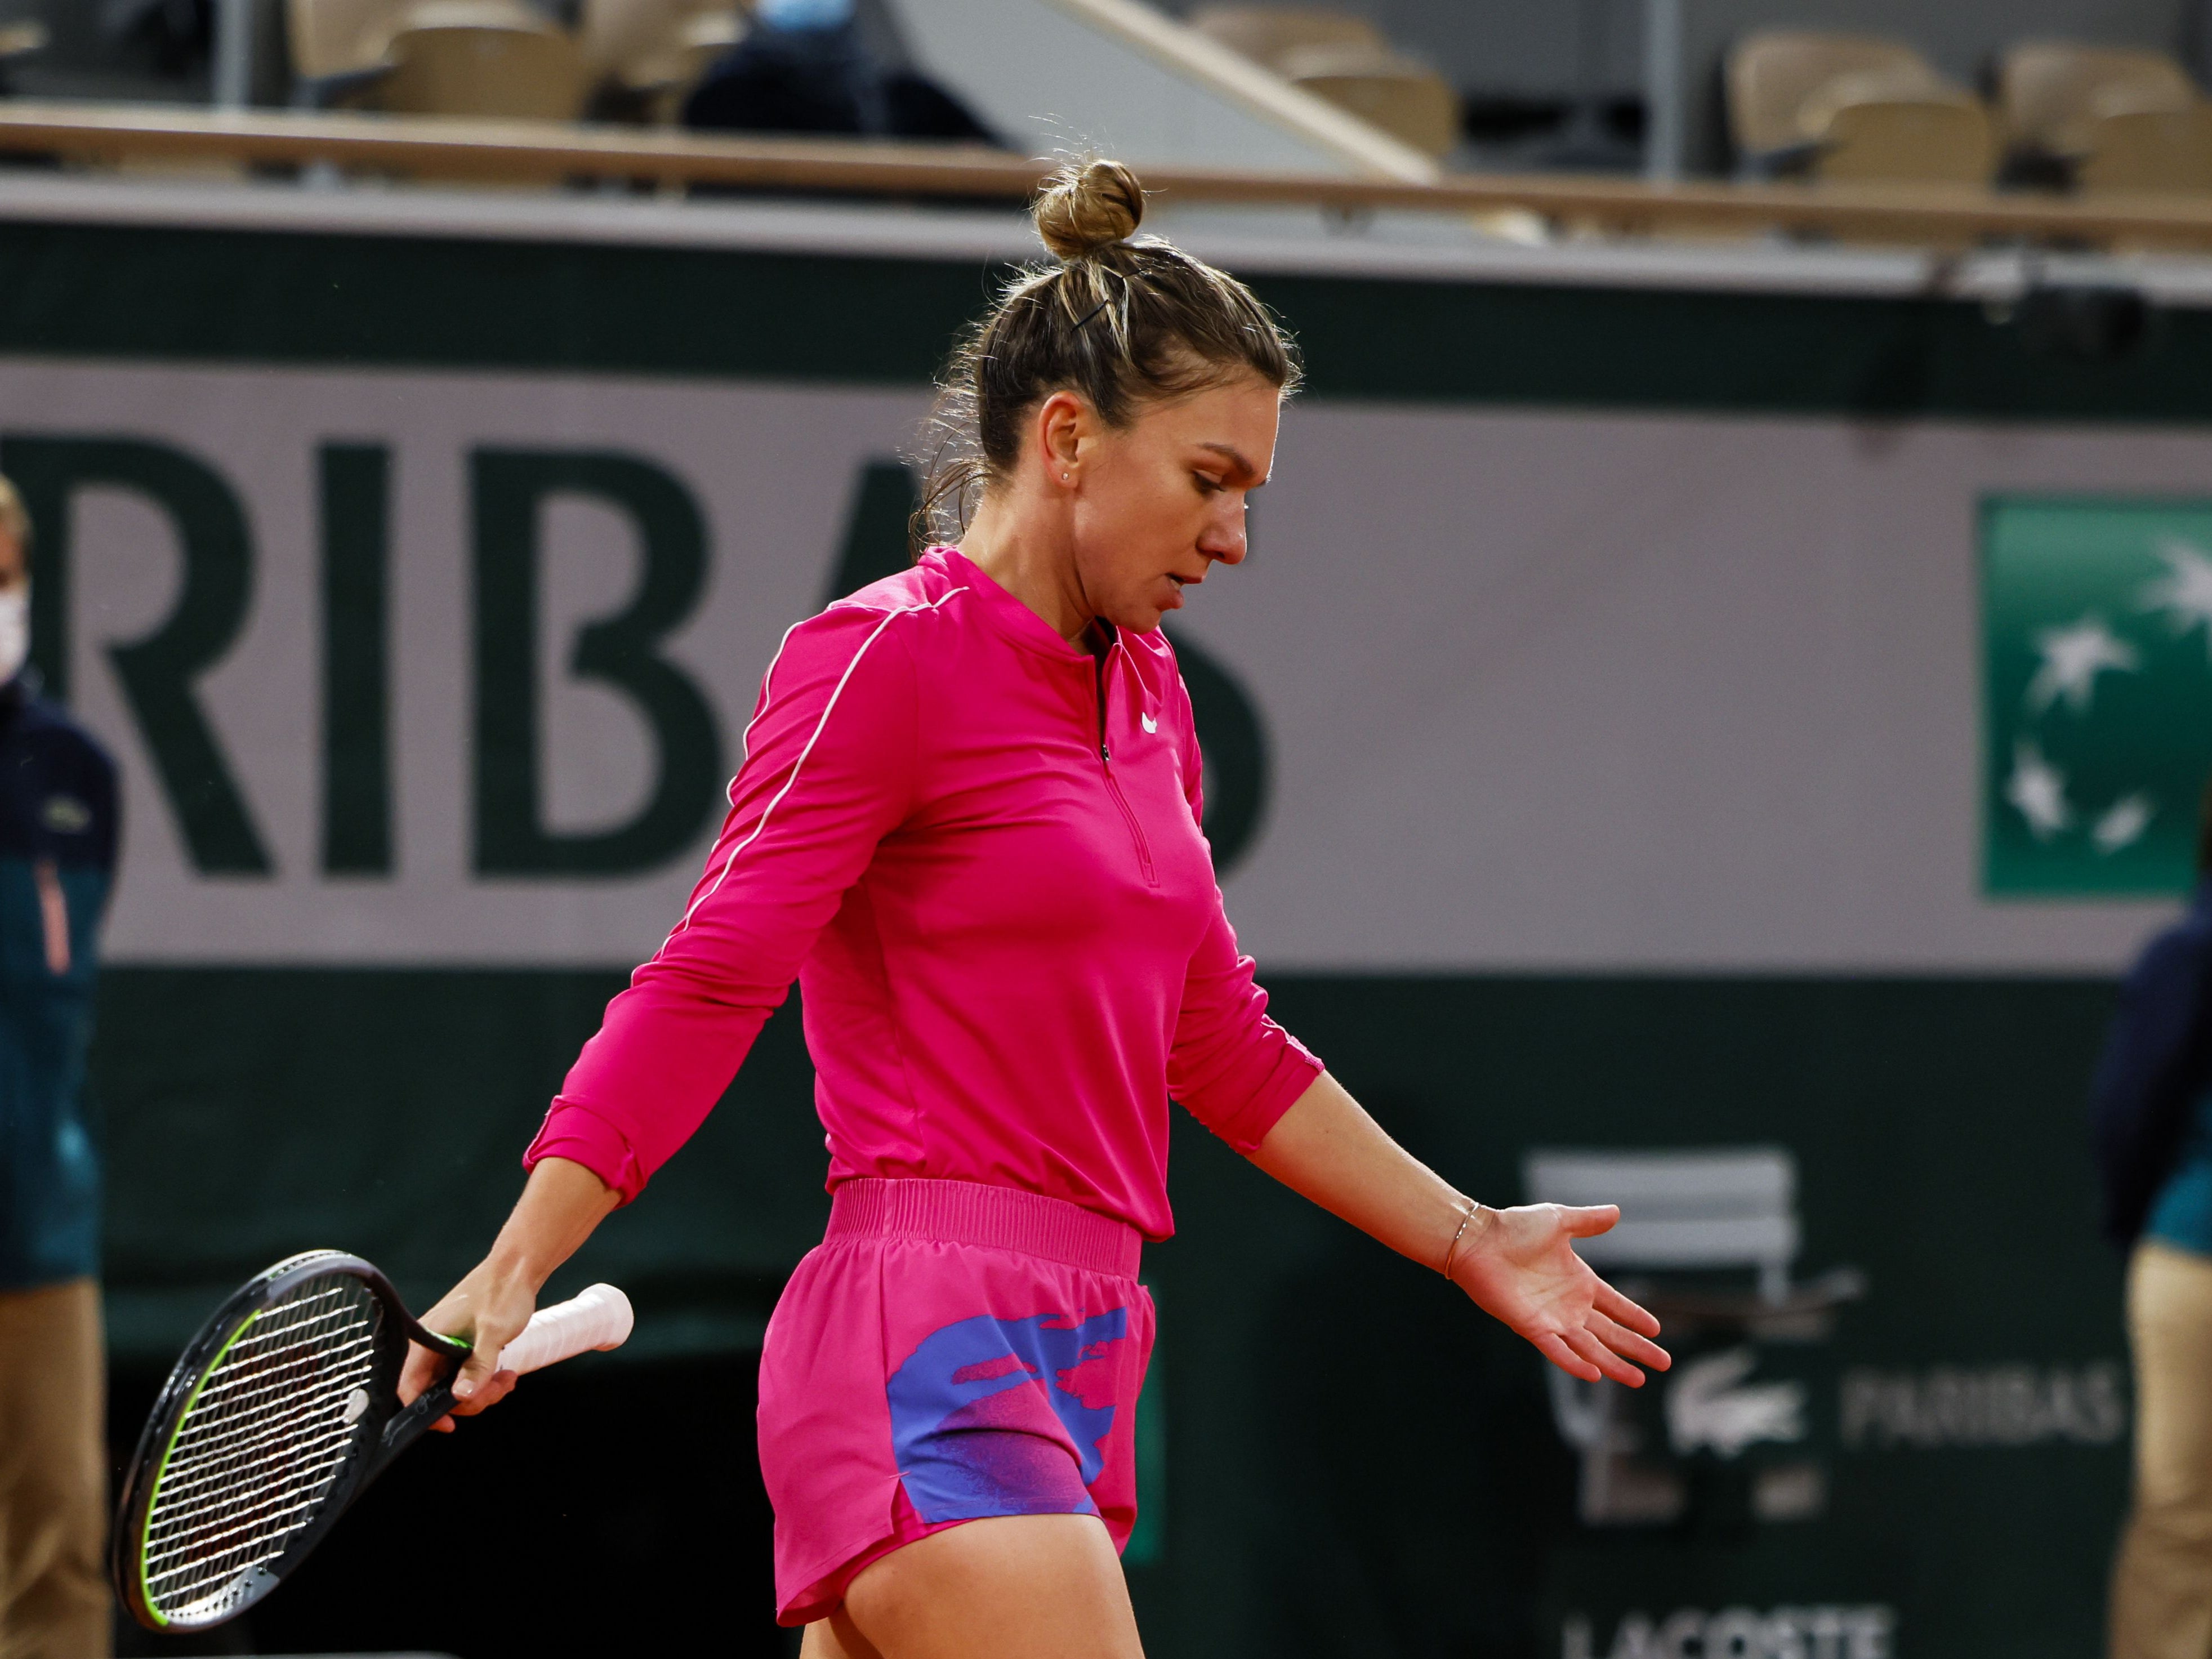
(1355, 1463)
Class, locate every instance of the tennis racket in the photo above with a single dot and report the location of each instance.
(280, 1413)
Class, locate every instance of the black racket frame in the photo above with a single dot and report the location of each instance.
(384, 1431)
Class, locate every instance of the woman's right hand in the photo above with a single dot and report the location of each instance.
(487, 1311)
(561, 1204)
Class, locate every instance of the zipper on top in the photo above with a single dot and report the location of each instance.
(1113, 784)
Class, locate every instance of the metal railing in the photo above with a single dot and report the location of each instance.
(519, 151)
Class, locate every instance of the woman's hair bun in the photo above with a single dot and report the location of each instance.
(1088, 206)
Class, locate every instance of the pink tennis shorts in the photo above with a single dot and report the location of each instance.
(951, 1350)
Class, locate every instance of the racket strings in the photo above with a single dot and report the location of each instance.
(216, 1496)
(183, 1472)
(244, 1382)
(260, 1443)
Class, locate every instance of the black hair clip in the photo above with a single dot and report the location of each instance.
(1089, 314)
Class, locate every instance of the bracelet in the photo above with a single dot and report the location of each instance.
(1474, 1209)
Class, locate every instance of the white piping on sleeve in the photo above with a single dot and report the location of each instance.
(768, 699)
(815, 737)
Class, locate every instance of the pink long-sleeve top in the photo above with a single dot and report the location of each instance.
(978, 850)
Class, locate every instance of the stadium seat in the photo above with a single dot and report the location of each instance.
(1408, 100)
(339, 37)
(656, 47)
(22, 39)
(2047, 89)
(668, 78)
(1266, 34)
(336, 48)
(1886, 124)
(340, 49)
(465, 58)
(2108, 119)
(1852, 107)
(1343, 59)
(2148, 150)
(1771, 74)
(335, 37)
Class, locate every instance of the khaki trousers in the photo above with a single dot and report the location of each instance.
(53, 1475)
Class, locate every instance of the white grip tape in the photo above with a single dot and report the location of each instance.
(599, 1318)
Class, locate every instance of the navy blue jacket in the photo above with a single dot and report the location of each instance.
(58, 836)
(2157, 1064)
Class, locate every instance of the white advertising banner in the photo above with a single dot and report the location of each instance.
(448, 668)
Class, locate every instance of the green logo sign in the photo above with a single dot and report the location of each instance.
(2097, 670)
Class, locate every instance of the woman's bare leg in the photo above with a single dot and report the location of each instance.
(1042, 1586)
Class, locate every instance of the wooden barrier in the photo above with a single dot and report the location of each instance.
(520, 151)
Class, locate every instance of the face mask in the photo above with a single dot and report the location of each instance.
(15, 631)
(804, 14)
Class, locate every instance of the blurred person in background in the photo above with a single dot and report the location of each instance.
(808, 66)
(57, 833)
(2151, 1113)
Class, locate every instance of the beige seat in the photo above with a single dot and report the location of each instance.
(2135, 150)
(338, 37)
(460, 58)
(1853, 106)
(2120, 120)
(1342, 58)
(342, 49)
(2048, 90)
(643, 43)
(649, 54)
(22, 39)
(1266, 34)
(470, 14)
(611, 33)
(1408, 100)
(1770, 74)
(1893, 124)
(668, 78)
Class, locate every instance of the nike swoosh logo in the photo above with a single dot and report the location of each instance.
(1150, 724)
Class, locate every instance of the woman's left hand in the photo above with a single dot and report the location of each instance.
(1520, 1267)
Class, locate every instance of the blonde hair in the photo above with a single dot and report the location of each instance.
(15, 520)
(1120, 319)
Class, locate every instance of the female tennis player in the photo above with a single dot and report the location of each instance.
(968, 822)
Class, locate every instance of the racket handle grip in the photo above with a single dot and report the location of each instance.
(599, 1318)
